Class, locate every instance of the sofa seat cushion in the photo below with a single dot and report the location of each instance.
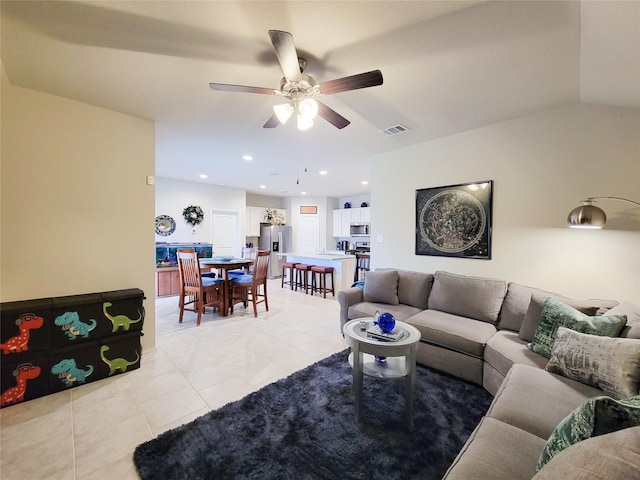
(536, 400)
(506, 348)
(451, 331)
(368, 309)
(498, 451)
(614, 456)
(473, 297)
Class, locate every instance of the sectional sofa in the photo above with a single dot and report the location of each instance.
(479, 329)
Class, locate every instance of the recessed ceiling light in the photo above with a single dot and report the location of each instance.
(303, 193)
(323, 172)
(364, 182)
(202, 175)
(263, 186)
(247, 157)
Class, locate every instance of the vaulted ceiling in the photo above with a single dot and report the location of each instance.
(448, 67)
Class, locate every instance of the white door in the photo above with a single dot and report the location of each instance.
(308, 234)
(225, 234)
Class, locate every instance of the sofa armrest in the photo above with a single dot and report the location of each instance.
(346, 298)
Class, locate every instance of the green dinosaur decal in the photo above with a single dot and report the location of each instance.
(116, 364)
(73, 327)
(120, 320)
(68, 372)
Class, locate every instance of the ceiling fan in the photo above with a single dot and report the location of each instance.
(302, 90)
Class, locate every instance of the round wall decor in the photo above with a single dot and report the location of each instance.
(165, 225)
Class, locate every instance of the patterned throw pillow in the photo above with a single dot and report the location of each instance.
(597, 416)
(610, 364)
(556, 314)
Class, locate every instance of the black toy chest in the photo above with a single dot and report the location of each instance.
(52, 344)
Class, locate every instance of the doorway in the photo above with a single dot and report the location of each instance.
(309, 234)
(225, 233)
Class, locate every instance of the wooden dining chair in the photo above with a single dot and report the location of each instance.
(248, 253)
(196, 291)
(252, 288)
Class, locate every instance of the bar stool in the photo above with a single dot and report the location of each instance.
(302, 276)
(291, 281)
(362, 266)
(322, 273)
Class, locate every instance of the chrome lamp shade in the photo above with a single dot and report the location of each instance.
(588, 215)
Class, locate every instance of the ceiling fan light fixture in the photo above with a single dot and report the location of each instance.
(308, 108)
(283, 112)
(304, 123)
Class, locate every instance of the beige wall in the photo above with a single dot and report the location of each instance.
(542, 166)
(77, 215)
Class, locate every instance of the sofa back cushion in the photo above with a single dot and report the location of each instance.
(414, 288)
(530, 323)
(474, 297)
(517, 302)
(381, 287)
(632, 311)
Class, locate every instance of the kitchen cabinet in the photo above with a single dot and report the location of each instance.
(167, 281)
(344, 217)
(365, 214)
(341, 222)
(256, 216)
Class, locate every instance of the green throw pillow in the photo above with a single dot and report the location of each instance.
(597, 416)
(556, 314)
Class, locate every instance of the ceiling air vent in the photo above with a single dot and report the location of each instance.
(395, 130)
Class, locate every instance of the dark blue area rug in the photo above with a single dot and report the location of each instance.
(302, 427)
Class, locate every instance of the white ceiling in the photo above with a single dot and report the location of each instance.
(447, 66)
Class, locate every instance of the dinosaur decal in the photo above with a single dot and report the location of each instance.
(116, 364)
(73, 327)
(20, 343)
(69, 373)
(23, 372)
(120, 320)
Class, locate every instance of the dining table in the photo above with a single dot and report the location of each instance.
(223, 265)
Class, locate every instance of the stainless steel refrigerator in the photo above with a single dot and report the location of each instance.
(277, 239)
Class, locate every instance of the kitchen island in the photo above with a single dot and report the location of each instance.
(343, 266)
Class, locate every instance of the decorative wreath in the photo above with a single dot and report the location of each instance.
(193, 215)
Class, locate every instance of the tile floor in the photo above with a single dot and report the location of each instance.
(90, 432)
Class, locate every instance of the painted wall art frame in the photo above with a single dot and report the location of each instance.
(455, 220)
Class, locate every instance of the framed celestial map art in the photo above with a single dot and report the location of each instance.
(455, 221)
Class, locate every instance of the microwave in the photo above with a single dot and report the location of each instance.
(359, 229)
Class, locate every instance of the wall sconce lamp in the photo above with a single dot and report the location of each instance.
(588, 215)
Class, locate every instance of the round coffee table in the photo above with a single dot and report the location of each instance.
(400, 362)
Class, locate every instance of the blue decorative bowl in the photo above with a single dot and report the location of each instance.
(386, 322)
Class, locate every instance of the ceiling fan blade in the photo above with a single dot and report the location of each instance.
(331, 116)
(286, 53)
(273, 122)
(353, 82)
(225, 87)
